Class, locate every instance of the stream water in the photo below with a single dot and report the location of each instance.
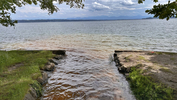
(86, 73)
(82, 77)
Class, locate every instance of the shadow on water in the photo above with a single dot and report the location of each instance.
(82, 77)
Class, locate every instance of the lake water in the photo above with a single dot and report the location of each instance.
(86, 73)
(154, 34)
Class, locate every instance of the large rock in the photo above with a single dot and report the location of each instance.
(28, 96)
(44, 77)
(53, 61)
(49, 67)
(33, 92)
(42, 80)
(31, 95)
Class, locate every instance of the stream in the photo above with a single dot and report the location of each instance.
(82, 77)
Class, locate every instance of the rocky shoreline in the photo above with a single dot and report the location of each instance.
(34, 90)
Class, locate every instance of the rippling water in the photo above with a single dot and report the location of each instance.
(82, 77)
(86, 72)
(154, 34)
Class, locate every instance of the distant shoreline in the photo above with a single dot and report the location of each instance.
(78, 20)
(70, 20)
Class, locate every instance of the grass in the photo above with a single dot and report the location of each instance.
(158, 53)
(166, 70)
(147, 69)
(144, 88)
(141, 58)
(127, 59)
(15, 84)
(168, 53)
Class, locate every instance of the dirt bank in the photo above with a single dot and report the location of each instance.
(160, 66)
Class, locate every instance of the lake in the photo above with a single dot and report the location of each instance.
(150, 34)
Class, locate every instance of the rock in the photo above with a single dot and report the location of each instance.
(28, 96)
(33, 92)
(58, 57)
(31, 95)
(115, 55)
(121, 68)
(44, 77)
(49, 67)
(128, 70)
(53, 61)
(116, 60)
(40, 80)
(59, 52)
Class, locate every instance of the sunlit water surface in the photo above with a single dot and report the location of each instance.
(86, 73)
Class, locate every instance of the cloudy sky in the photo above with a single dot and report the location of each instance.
(110, 8)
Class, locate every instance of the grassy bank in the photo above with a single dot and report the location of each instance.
(145, 88)
(19, 69)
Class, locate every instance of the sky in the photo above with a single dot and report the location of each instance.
(93, 8)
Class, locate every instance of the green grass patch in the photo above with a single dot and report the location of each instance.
(144, 88)
(159, 53)
(141, 58)
(168, 53)
(148, 69)
(127, 59)
(14, 84)
(166, 70)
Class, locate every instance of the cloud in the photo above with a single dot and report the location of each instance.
(31, 9)
(109, 0)
(98, 6)
(123, 2)
(92, 8)
(126, 8)
(108, 5)
(127, 3)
